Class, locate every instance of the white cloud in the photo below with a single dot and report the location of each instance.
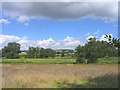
(25, 44)
(70, 41)
(22, 18)
(96, 33)
(87, 34)
(49, 43)
(46, 43)
(56, 44)
(4, 39)
(87, 39)
(26, 24)
(5, 21)
(67, 43)
(106, 11)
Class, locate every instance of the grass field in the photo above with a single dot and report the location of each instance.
(59, 76)
(38, 61)
(59, 73)
(56, 60)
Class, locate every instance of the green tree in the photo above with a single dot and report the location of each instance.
(30, 52)
(93, 50)
(63, 53)
(42, 53)
(11, 51)
(80, 54)
(33, 52)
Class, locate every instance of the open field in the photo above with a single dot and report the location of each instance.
(60, 76)
(56, 60)
(38, 61)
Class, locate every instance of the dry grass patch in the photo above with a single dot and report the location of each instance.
(43, 76)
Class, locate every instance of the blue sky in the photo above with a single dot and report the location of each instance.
(57, 30)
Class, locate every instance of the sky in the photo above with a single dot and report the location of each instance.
(57, 25)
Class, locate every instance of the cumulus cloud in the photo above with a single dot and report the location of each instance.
(72, 43)
(4, 21)
(56, 44)
(26, 24)
(49, 43)
(4, 39)
(68, 42)
(68, 39)
(106, 11)
(46, 43)
(25, 44)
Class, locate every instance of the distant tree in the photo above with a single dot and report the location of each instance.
(63, 53)
(52, 53)
(31, 52)
(11, 50)
(37, 53)
(42, 53)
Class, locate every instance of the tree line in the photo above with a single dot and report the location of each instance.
(89, 53)
(12, 51)
(37, 52)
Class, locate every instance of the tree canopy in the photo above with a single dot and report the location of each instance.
(37, 52)
(96, 49)
(11, 50)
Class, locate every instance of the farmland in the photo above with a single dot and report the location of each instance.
(60, 76)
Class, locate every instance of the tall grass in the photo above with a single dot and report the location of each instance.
(54, 76)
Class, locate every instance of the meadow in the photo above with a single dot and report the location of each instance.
(56, 60)
(60, 76)
(59, 72)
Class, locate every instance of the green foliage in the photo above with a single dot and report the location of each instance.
(11, 50)
(36, 52)
(94, 50)
(81, 60)
(63, 53)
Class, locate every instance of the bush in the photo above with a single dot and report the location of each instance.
(81, 60)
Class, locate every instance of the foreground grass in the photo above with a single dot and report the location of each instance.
(57, 60)
(60, 76)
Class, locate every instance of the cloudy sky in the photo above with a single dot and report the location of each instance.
(57, 25)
